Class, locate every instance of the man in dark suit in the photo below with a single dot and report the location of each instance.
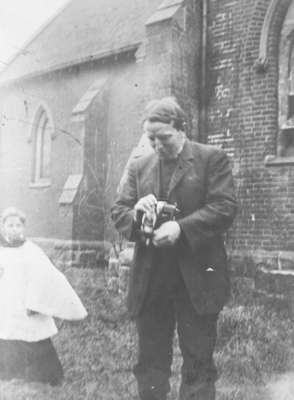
(180, 278)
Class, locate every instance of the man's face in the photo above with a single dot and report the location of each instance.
(164, 138)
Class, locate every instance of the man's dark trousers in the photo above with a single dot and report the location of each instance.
(167, 305)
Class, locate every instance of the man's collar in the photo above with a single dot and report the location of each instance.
(186, 153)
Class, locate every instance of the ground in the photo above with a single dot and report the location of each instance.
(254, 354)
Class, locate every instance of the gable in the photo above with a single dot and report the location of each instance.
(81, 32)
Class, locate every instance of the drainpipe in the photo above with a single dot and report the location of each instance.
(203, 75)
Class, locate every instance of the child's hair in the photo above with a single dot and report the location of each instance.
(12, 212)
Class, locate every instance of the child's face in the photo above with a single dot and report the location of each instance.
(13, 228)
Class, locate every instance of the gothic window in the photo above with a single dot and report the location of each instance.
(42, 145)
(290, 113)
(285, 140)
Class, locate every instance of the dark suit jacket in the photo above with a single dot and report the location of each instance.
(202, 186)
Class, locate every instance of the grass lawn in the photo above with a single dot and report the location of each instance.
(254, 354)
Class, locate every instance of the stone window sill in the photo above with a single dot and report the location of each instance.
(274, 161)
(40, 184)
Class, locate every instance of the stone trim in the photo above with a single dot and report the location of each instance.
(165, 11)
(42, 133)
(273, 161)
(70, 189)
(40, 184)
(261, 64)
(103, 55)
(86, 100)
(32, 126)
(61, 243)
(247, 262)
(274, 284)
(79, 254)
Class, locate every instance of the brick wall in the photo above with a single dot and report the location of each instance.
(242, 116)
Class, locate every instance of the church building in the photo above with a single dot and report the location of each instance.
(71, 103)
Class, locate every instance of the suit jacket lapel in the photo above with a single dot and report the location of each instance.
(153, 175)
(184, 164)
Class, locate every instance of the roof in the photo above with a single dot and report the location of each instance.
(82, 31)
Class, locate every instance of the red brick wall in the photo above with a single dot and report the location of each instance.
(243, 116)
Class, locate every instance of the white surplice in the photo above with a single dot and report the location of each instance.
(29, 281)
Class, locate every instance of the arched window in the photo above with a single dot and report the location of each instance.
(285, 143)
(42, 146)
(290, 110)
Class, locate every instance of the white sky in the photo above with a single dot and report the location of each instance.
(19, 19)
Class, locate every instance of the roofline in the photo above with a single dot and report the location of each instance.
(75, 62)
(36, 34)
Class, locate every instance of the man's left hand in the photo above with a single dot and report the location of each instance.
(167, 234)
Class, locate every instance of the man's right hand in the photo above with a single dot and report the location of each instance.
(145, 205)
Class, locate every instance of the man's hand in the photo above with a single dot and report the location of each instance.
(167, 234)
(145, 205)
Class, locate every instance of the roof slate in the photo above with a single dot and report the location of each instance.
(83, 30)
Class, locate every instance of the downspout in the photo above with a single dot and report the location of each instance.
(203, 74)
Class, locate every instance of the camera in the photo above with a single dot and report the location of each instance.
(162, 212)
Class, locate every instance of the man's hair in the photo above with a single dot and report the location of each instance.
(166, 110)
(12, 212)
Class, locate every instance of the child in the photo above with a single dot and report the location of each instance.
(32, 292)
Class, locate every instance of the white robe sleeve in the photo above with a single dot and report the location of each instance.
(48, 291)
